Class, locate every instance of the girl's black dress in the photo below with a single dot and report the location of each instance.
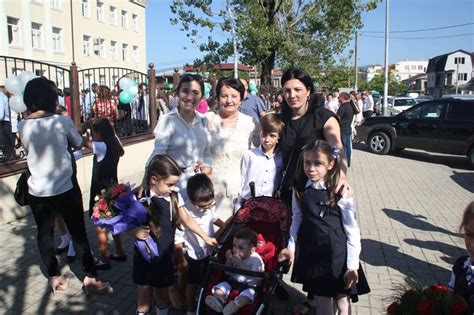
(104, 175)
(321, 249)
(160, 272)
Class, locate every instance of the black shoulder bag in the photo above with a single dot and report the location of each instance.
(21, 191)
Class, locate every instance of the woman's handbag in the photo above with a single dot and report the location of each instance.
(21, 191)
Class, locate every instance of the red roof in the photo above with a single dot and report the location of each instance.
(222, 66)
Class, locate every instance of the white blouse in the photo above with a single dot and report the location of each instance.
(228, 146)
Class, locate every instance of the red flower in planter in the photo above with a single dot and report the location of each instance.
(439, 288)
(392, 308)
(425, 307)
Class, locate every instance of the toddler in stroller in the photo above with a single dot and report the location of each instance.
(242, 256)
(240, 284)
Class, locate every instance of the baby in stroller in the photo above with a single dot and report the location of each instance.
(243, 256)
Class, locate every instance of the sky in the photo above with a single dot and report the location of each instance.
(168, 47)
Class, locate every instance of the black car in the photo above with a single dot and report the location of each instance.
(443, 125)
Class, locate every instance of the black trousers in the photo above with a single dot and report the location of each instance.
(69, 205)
(6, 142)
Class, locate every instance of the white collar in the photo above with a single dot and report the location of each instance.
(318, 185)
(260, 150)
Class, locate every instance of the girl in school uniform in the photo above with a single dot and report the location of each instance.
(165, 214)
(324, 234)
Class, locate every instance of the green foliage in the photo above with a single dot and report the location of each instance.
(306, 34)
(377, 84)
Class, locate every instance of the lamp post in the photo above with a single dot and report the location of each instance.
(385, 84)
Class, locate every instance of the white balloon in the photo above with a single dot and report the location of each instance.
(13, 85)
(17, 104)
(125, 83)
(26, 76)
(133, 90)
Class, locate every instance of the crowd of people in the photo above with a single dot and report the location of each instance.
(297, 148)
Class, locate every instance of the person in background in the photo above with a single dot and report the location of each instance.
(89, 99)
(346, 115)
(140, 108)
(251, 105)
(6, 143)
(368, 108)
(61, 98)
(173, 100)
(358, 117)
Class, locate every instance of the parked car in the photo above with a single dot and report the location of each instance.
(398, 104)
(442, 125)
(424, 98)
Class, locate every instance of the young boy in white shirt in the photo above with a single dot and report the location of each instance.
(202, 208)
(263, 164)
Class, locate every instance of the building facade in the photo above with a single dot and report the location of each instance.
(92, 33)
(449, 72)
(406, 69)
(368, 72)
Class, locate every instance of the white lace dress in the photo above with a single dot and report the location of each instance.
(228, 146)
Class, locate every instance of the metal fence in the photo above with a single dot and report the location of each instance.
(81, 98)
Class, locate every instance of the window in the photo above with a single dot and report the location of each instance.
(135, 22)
(56, 4)
(125, 52)
(100, 11)
(426, 110)
(86, 45)
(136, 54)
(113, 50)
(413, 67)
(14, 36)
(459, 60)
(462, 76)
(404, 102)
(124, 19)
(113, 15)
(57, 39)
(460, 111)
(37, 35)
(86, 9)
(407, 68)
(99, 47)
(420, 67)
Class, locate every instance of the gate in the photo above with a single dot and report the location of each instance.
(138, 117)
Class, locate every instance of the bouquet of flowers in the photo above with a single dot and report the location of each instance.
(430, 300)
(118, 210)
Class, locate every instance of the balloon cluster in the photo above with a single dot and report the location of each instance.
(129, 90)
(253, 88)
(16, 85)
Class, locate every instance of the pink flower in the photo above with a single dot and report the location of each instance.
(107, 213)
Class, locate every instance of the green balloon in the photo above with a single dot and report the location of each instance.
(125, 97)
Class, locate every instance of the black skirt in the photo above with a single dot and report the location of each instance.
(159, 274)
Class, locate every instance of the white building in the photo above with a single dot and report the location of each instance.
(103, 33)
(405, 69)
(370, 71)
(446, 73)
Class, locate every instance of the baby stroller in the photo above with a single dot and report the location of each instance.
(269, 217)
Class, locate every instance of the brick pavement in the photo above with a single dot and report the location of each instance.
(410, 206)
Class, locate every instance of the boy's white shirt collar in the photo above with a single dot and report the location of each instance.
(275, 151)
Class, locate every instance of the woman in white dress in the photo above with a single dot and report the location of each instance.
(232, 134)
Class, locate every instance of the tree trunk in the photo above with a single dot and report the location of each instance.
(266, 74)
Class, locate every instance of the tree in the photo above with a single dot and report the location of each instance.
(394, 87)
(304, 33)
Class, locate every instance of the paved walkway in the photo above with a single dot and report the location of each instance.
(410, 207)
